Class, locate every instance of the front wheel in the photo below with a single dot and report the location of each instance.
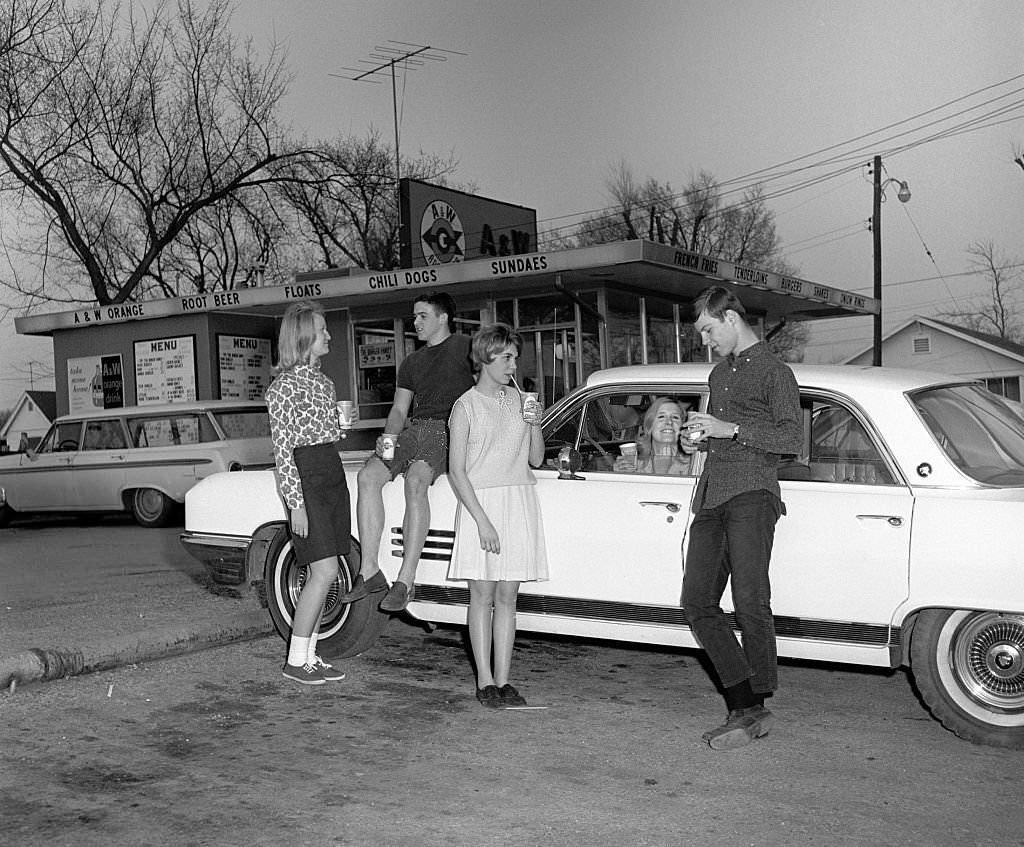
(152, 508)
(969, 669)
(346, 629)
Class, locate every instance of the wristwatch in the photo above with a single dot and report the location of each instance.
(735, 432)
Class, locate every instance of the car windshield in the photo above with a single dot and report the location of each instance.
(979, 431)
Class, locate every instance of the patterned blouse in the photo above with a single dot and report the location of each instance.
(303, 412)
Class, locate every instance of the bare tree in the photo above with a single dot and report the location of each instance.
(124, 138)
(998, 313)
(699, 220)
(346, 203)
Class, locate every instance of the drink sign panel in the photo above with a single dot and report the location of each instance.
(95, 382)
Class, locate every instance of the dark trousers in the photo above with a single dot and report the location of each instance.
(734, 540)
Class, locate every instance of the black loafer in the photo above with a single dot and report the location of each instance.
(360, 588)
(398, 597)
(489, 696)
(510, 697)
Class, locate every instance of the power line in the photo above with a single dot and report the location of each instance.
(846, 158)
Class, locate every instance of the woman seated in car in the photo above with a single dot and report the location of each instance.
(661, 447)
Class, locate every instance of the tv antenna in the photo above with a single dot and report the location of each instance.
(385, 58)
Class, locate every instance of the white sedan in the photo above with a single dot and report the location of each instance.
(901, 543)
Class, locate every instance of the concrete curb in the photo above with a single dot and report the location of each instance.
(41, 665)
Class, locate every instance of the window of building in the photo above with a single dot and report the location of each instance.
(1004, 386)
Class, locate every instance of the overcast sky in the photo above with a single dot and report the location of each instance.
(548, 96)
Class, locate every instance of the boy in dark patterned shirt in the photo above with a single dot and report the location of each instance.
(753, 418)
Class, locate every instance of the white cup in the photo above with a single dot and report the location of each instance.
(347, 413)
(628, 451)
(693, 432)
(531, 407)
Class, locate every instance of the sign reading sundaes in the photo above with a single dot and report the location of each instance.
(398, 282)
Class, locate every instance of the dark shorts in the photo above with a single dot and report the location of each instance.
(327, 504)
(423, 440)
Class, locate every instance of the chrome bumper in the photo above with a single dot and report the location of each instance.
(223, 555)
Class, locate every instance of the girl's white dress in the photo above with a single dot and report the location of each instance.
(498, 468)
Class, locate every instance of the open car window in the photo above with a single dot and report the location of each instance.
(62, 438)
(598, 424)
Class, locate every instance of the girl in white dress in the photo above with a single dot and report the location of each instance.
(499, 536)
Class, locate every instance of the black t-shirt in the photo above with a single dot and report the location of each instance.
(437, 376)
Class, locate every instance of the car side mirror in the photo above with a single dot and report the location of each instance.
(568, 462)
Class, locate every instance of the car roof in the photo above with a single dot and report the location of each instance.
(846, 378)
(165, 408)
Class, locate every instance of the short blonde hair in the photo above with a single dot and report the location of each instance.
(297, 334)
(491, 341)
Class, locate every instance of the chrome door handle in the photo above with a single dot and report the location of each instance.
(892, 520)
(672, 507)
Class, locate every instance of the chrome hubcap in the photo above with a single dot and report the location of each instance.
(989, 657)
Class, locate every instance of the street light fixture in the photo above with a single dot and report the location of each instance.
(903, 195)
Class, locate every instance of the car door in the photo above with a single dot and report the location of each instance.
(43, 480)
(99, 466)
(840, 564)
(612, 536)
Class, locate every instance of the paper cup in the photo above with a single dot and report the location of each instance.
(387, 446)
(628, 451)
(692, 431)
(346, 413)
(531, 407)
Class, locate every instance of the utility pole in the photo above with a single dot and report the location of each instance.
(876, 235)
(903, 195)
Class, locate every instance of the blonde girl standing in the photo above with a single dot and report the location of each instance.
(499, 535)
(305, 429)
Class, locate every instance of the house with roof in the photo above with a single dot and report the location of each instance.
(928, 344)
(29, 420)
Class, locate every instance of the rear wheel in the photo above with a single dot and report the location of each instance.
(152, 508)
(346, 629)
(969, 668)
(6, 514)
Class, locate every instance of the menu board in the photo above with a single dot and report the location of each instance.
(244, 364)
(165, 370)
(95, 382)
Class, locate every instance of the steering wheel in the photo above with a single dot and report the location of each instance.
(67, 444)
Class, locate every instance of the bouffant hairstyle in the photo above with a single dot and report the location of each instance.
(490, 341)
(297, 334)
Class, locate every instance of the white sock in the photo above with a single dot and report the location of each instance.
(298, 648)
(311, 652)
